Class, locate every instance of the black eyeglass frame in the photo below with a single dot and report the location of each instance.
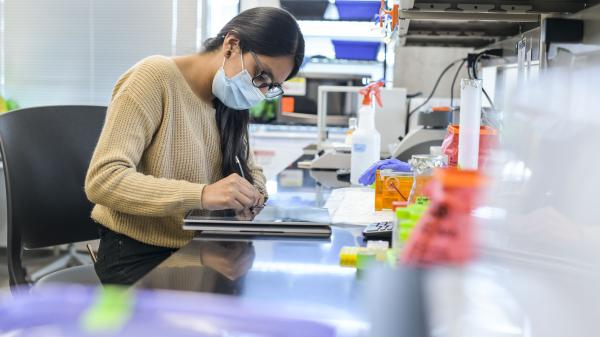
(275, 90)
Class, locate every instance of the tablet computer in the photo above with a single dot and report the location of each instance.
(272, 221)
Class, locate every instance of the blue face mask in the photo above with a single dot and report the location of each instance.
(237, 92)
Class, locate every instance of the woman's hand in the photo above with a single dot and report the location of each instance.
(261, 200)
(233, 192)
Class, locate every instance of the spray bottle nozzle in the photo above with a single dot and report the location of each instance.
(373, 89)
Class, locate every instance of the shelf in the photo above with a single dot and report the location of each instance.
(448, 41)
(462, 34)
(344, 62)
(470, 23)
(341, 30)
(469, 16)
(334, 20)
(484, 29)
(503, 6)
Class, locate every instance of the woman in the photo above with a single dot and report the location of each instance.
(176, 139)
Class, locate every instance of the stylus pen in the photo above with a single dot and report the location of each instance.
(237, 160)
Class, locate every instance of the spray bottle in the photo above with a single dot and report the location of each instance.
(366, 141)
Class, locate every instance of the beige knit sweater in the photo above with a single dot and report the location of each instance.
(158, 148)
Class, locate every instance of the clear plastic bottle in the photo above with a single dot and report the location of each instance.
(366, 141)
(352, 126)
(422, 166)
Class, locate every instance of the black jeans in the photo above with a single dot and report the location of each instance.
(123, 260)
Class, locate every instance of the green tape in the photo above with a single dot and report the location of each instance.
(407, 224)
(111, 310)
(415, 217)
(402, 213)
(364, 259)
(405, 234)
(419, 209)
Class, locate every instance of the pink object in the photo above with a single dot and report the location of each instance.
(488, 140)
(444, 234)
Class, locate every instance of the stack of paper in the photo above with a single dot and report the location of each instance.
(355, 206)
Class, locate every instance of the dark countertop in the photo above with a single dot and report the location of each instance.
(294, 270)
(501, 293)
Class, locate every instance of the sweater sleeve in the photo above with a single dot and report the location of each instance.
(112, 179)
(257, 175)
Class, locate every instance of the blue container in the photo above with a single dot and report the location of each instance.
(78, 311)
(356, 50)
(357, 9)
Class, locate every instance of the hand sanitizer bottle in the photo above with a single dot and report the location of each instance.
(366, 141)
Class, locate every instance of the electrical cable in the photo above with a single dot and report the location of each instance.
(489, 99)
(474, 70)
(454, 82)
(416, 94)
(437, 82)
(474, 65)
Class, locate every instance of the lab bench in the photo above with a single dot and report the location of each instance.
(501, 293)
(289, 271)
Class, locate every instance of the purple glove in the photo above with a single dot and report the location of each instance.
(368, 178)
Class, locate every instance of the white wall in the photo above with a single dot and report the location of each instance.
(417, 68)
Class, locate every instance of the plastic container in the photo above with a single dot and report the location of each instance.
(391, 186)
(352, 125)
(444, 233)
(366, 144)
(357, 10)
(78, 311)
(404, 224)
(422, 167)
(356, 50)
(470, 122)
(488, 141)
(366, 141)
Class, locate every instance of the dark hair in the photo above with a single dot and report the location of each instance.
(266, 31)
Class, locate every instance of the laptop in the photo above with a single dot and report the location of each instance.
(269, 221)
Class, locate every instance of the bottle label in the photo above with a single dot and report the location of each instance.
(359, 148)
(424, 201)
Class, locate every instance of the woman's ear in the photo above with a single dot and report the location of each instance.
(231, 44)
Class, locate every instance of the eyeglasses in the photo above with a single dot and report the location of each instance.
(262, 80)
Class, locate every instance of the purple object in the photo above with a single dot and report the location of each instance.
(58, 311)
(368, 177)
(357, 10)
(355, 50)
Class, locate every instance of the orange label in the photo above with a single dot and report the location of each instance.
(287, 104)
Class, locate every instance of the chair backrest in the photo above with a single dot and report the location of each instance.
(46, 152)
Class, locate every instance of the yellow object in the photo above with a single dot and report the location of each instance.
(159, 147)
(391, 186)
(349, 256)
(3, 107)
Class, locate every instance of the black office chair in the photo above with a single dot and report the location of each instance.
(46, 153)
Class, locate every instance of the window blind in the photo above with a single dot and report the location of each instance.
(73, 51)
